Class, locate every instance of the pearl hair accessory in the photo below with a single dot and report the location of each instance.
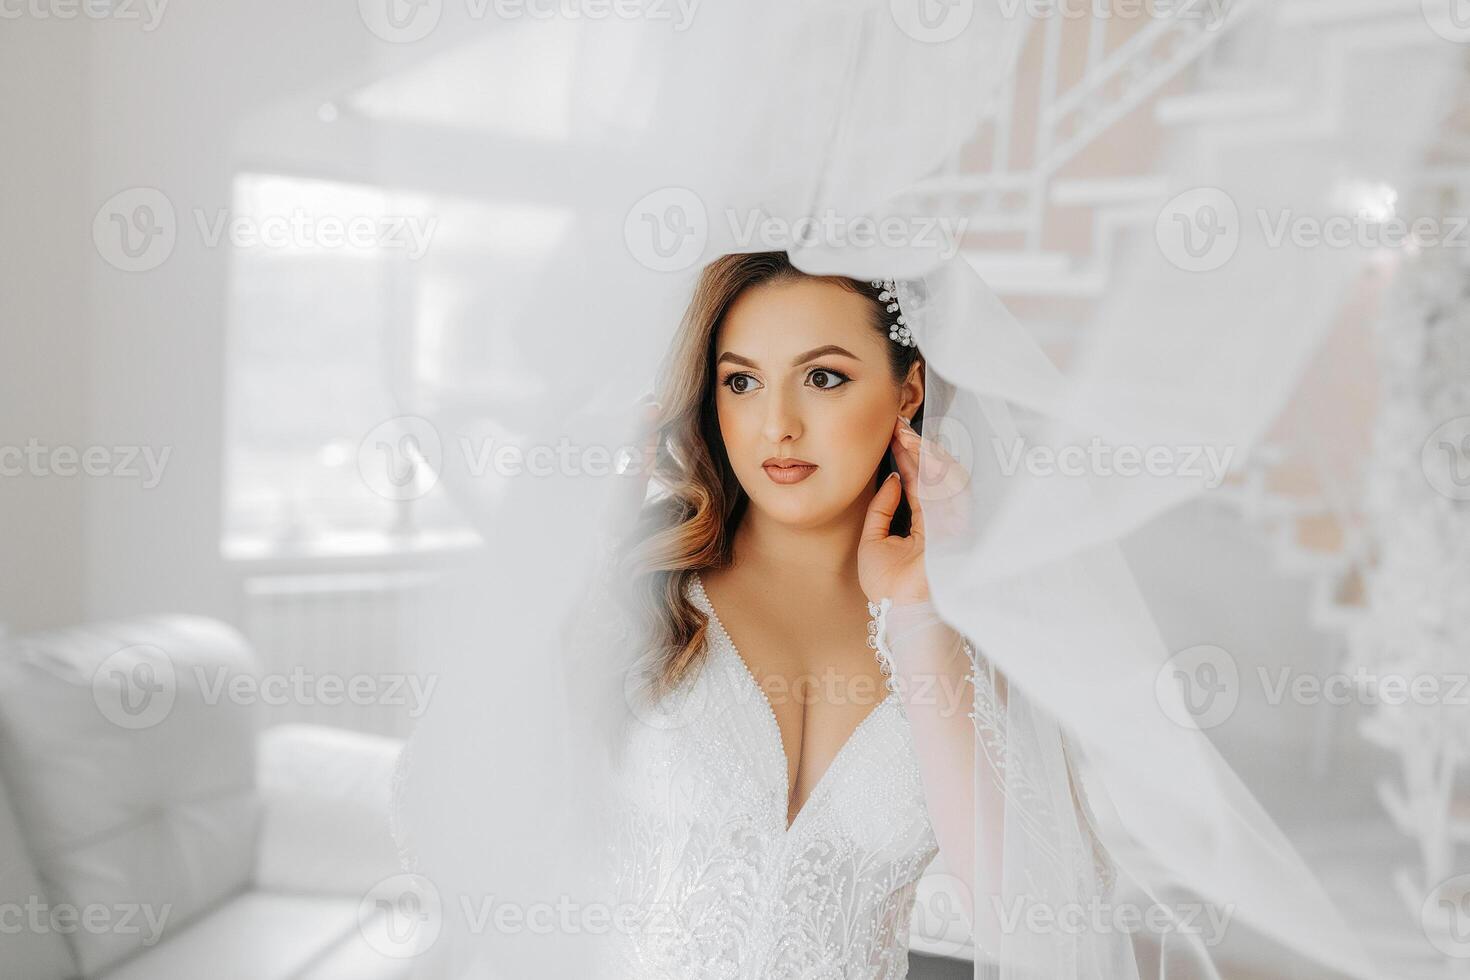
(897, 331)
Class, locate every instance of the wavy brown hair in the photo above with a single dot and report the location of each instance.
(691, 524)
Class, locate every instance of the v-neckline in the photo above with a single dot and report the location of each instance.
(778, 739)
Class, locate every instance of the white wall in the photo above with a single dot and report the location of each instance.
(43, 349)
(94, 356)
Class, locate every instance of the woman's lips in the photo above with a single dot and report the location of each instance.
(789, 474)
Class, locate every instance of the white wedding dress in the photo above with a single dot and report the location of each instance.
(717, 884)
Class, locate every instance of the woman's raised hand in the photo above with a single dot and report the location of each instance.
(893, 566)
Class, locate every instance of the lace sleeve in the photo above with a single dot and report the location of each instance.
(998, 813)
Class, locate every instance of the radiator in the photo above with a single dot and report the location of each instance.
(338, 648)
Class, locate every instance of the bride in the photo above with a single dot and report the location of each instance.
(803, 738)
(775, 801)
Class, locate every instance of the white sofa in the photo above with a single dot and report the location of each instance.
(150, 830)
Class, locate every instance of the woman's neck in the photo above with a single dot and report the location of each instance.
(776, 550)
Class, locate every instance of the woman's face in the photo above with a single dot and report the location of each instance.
(801, 374)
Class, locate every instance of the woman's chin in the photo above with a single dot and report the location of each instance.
(797, 506)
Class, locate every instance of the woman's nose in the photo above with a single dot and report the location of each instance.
(782, 419)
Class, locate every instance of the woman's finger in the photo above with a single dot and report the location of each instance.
(881, 509)
(906, 458)
(943, 476)
(943, 484)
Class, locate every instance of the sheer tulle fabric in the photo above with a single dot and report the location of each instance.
(1006, 802)
(1072, 785)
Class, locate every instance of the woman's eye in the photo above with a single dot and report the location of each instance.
(741, 383)
(822, 378)
(822, 375)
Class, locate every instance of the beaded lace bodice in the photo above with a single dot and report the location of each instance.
(718, 885)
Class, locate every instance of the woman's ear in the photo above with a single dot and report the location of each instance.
(911, 394)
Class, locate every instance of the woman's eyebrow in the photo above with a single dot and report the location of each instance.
(799, 359)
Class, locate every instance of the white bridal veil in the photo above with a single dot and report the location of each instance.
(648, 144)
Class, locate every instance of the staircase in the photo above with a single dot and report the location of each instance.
(1071, 171)
(1051, 183)
(1058, 182)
